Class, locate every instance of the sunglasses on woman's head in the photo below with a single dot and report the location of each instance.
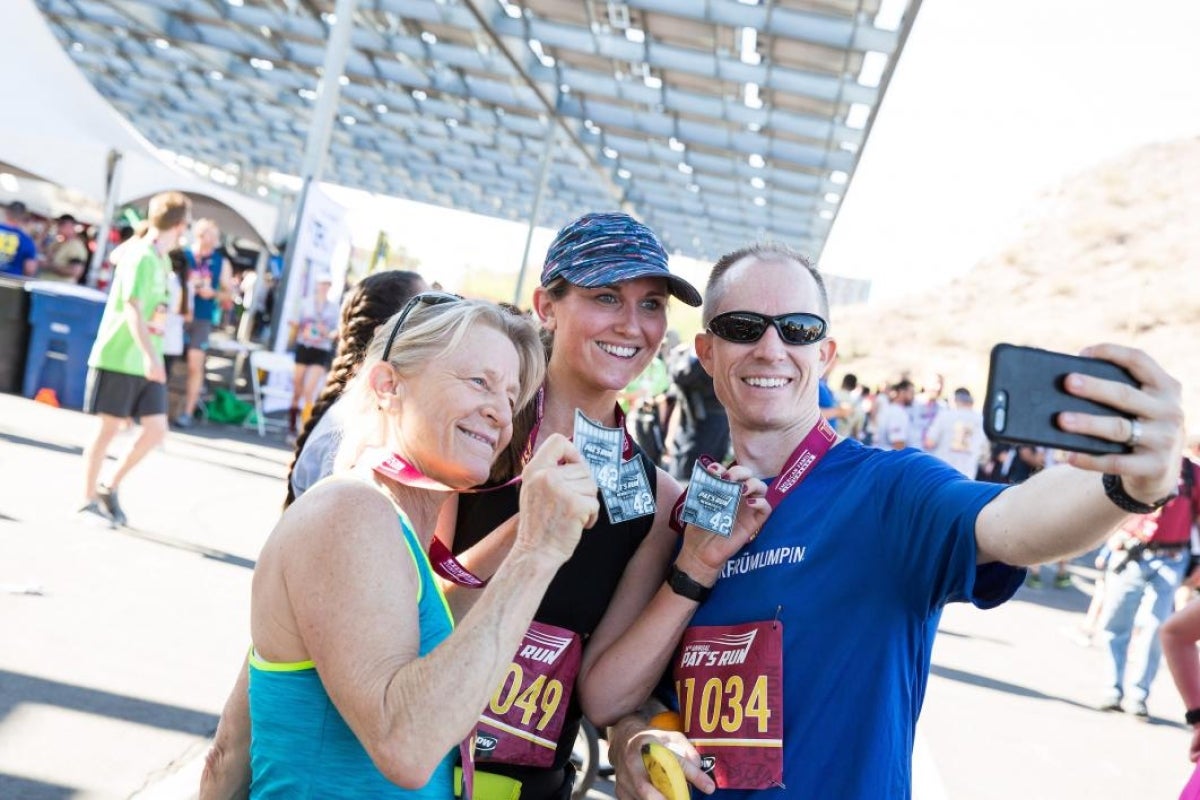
(746, 327)
(422, 299)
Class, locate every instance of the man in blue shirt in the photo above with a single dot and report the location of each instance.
(18, 253)
(804, 666)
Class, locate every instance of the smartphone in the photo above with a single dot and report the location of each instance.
(1025, 394)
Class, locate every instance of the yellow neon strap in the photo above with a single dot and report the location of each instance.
(418, 555)
(259, 663)
(489, 786)
(423, 558)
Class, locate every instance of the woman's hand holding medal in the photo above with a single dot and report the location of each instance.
(559, 485)
(704, 553)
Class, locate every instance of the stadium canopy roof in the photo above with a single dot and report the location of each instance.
(715, 122)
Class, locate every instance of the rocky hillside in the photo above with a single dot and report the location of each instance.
(1112, 255)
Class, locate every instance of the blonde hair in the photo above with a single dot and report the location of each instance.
(168, 209)
(201, 225)
(430, 332)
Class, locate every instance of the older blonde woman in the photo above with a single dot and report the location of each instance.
(359, 684)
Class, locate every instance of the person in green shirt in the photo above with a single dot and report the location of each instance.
(126, 376)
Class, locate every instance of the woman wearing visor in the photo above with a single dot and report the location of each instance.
(628, 588)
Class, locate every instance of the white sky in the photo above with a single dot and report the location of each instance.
(993, 102)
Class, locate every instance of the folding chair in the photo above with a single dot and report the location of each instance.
(269, 361)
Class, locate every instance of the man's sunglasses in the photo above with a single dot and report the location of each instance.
(745, 327)
(418, 300)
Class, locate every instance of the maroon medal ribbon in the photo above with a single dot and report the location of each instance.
(806, 455)
(447, 566)
(618, 412)
(440, 558)
(627, 440)
(403, 472)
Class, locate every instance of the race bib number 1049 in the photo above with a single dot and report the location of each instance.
(526, 714)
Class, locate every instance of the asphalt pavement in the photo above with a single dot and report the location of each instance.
(118, 646)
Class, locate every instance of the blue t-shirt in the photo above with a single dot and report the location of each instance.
(15, 249)
(825, 399)
(209, 269)
(857, 563)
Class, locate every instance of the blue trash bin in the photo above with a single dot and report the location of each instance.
(63, 320)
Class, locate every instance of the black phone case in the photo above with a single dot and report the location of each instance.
(1025, 394)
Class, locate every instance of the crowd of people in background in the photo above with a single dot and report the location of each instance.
(461, 395)
(678, 417)
(46, 249)
(61, 249)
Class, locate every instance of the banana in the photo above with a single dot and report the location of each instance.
(666, 773)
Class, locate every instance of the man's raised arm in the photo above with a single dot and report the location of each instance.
(1067, 509)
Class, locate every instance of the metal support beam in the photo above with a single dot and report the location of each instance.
(316, 147)
(112, 184)
(543, 173)
(338, 50)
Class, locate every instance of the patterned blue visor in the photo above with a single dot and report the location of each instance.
(607, 248)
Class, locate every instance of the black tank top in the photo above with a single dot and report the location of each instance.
(576, 599)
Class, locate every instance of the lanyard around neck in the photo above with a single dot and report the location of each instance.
(540, 400)
(441, 559)
(807, 454)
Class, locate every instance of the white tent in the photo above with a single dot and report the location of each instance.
(58, 127)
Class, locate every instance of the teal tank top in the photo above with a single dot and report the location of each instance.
(300, 746)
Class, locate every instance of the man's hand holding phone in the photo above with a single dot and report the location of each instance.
(1116, 410)
(1112, 407)
(1153, 429)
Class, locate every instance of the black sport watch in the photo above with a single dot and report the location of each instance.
(685, 585)
(1115, 491)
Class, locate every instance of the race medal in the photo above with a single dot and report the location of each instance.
(729, 679)
(711, 502)
(523, 720)
(633, 497)
(601, 449)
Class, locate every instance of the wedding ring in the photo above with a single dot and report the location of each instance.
(1135, 433)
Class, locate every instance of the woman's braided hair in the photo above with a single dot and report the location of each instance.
(370, 304)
